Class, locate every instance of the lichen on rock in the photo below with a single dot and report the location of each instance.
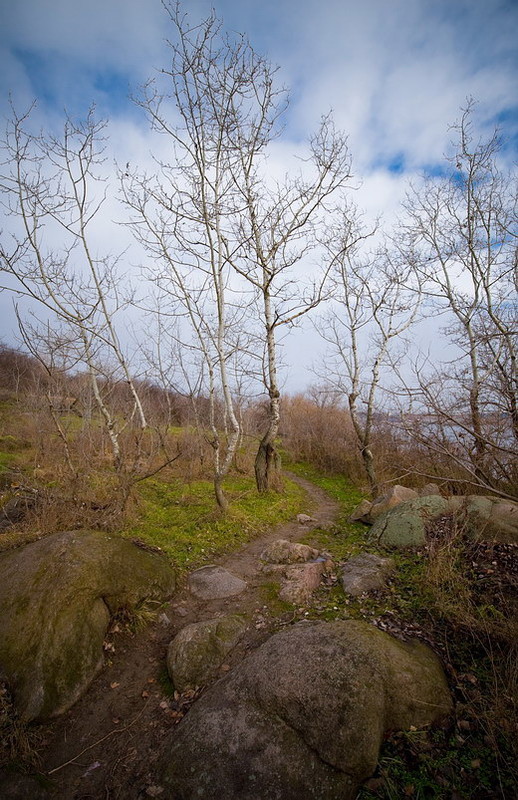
(56, 599)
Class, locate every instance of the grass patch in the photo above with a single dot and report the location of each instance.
(182, 519)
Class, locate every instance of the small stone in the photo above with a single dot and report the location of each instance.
(303, 519)
(365, 573)
(212, 583)
(283, 551)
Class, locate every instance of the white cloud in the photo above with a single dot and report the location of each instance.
(395, 73)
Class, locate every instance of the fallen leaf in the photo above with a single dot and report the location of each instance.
(145, 694)
(114, 685)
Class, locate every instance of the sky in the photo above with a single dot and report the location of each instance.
(395, 73)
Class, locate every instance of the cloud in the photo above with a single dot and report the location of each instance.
(394, 72)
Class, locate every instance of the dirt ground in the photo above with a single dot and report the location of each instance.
(106, 747)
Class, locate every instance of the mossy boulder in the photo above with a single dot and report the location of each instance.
(405, 525)
(198, 651)
(56, 599)
(303, 716)
(478, 517)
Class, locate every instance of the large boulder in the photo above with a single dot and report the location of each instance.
(490, 518)
(198, 651)
(303, 716)
(405, 525)
(369, 512)
(56, 598)
(478, 517)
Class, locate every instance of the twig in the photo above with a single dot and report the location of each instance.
(90, 746)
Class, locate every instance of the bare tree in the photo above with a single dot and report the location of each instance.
(460, 235)
(372, 308)
(213, 211)
(275, 232)
(53, 191)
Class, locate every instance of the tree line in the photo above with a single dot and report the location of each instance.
(234, 256)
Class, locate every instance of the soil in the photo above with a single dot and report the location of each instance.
(106, 747)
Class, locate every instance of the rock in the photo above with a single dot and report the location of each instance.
(17, 507)
(490, 518)
(481, 518)
(56, 598)
(405, 525)
(284, 552)
(429, 489)
(303, 519)
(361, 512)
(303, 716)
(392, 498)
(301, 580)
(366, 572)
(213, 583)
(198, 651)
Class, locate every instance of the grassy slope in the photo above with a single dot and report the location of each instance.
(182, 519)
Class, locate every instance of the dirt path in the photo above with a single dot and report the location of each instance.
(106, 746)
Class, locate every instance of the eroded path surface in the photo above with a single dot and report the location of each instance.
(106, 746)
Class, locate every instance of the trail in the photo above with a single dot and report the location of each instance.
(106, 746)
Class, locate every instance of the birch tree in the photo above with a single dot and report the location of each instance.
(53, 191)
(461, 236)
(371, 310)
(214, 200)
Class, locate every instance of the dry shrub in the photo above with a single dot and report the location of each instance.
(472, 594)
(320, 434)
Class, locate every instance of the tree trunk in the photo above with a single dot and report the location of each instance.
(267, 465)
(221, 500)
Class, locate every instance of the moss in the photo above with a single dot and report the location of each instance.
(183, 522)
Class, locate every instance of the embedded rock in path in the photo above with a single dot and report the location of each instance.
(56, 598)
(365, 573)
(304, 519)
(303, 716)
(198, 651)
(405, 525)
(283, 551)
(299, 581)
(214, 583)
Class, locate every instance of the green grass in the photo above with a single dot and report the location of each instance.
(183, 521)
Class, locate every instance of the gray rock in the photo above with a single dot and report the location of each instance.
(490, 518)
(405, 525)
(429, 489)
(283, 551)
(56, 598)
(198, 651)
(361, 512)
(303, 717)
(365, 573)
(213, 583)
(304, 519)
(393, 497)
